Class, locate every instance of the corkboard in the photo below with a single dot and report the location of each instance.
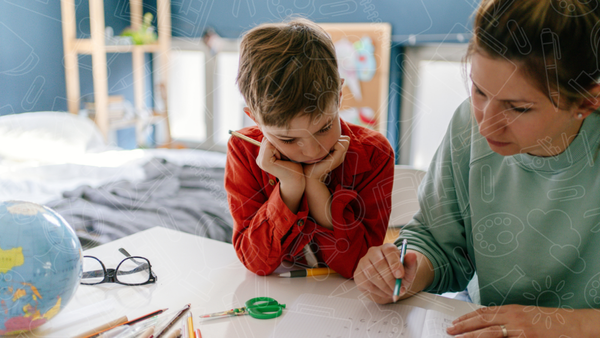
(375, 91)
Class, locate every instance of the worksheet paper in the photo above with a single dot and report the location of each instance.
(321, 316)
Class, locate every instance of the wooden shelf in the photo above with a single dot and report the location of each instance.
(86, 46)
(96, 47)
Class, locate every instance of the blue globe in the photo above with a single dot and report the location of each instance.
(40, 265)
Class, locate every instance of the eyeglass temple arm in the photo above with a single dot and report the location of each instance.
(124, 252)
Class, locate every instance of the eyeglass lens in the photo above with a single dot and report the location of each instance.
(130, 271)
(133, 271)
(93, 272)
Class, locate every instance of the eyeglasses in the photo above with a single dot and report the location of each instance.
(133, 270)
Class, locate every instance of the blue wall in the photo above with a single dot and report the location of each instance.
(31, 53)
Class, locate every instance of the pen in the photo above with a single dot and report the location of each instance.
(184, 330)
(172, 321)
(244, 137)
(190, 324)
(399, 280)
(307, 272)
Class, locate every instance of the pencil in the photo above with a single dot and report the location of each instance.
(147, 333)
(307, 273)
(190, 324)
(104, 327)
(172, 321)
(198, 333)
(175, 333)
(402, 254)
(151, 314)
(244, 137)
(133, 321)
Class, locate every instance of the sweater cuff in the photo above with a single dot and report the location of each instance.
(279, 214)
(435, 284)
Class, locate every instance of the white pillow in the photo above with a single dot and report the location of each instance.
(47, 136)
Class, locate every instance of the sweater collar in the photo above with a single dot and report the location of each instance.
(356, 152)
(580, 148)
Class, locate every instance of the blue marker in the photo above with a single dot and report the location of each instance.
(402, 254)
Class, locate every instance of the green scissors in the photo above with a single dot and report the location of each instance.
(258, 307)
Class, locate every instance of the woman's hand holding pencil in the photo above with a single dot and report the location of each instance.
(378, 270)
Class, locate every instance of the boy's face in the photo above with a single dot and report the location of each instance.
(306, 141)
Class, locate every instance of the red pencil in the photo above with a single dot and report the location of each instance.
(151, 314)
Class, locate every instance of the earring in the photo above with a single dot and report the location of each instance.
(580, 115)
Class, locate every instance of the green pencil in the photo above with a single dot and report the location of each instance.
(399, 280)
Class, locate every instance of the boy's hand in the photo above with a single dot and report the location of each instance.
(270, 160)
(377, 271)
(319, 170)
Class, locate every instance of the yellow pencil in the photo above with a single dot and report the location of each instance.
(308, 272)
(244, 137)
(190, 321)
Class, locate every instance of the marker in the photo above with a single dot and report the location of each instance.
(307, 273)
(399, 280)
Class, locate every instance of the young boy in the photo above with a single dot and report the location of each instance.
(315, 179)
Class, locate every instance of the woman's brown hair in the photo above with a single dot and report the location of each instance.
(554, 42)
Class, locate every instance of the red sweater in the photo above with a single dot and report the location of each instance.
(265, 230)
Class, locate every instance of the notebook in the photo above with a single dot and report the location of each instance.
(321, 316)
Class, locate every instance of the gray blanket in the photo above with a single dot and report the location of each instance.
(185, 198)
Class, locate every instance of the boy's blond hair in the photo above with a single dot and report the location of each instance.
(287, 70)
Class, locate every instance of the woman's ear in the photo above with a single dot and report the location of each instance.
(590, 104)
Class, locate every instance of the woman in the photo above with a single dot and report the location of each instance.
(513, 191)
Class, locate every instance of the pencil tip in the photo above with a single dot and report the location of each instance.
(230, 131)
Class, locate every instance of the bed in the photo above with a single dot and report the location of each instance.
(105, 193)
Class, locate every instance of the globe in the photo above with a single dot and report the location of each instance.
(40, 265)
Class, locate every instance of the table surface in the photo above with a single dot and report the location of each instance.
(205, 273)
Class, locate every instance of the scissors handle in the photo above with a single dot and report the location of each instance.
(264, 308)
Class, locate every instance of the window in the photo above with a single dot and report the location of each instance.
(434, 85)
(187, 92)
(229, 106)
(204, 101)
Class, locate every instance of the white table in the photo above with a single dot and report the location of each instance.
(205, 273)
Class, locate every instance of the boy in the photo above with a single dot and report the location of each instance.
(315, 179)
